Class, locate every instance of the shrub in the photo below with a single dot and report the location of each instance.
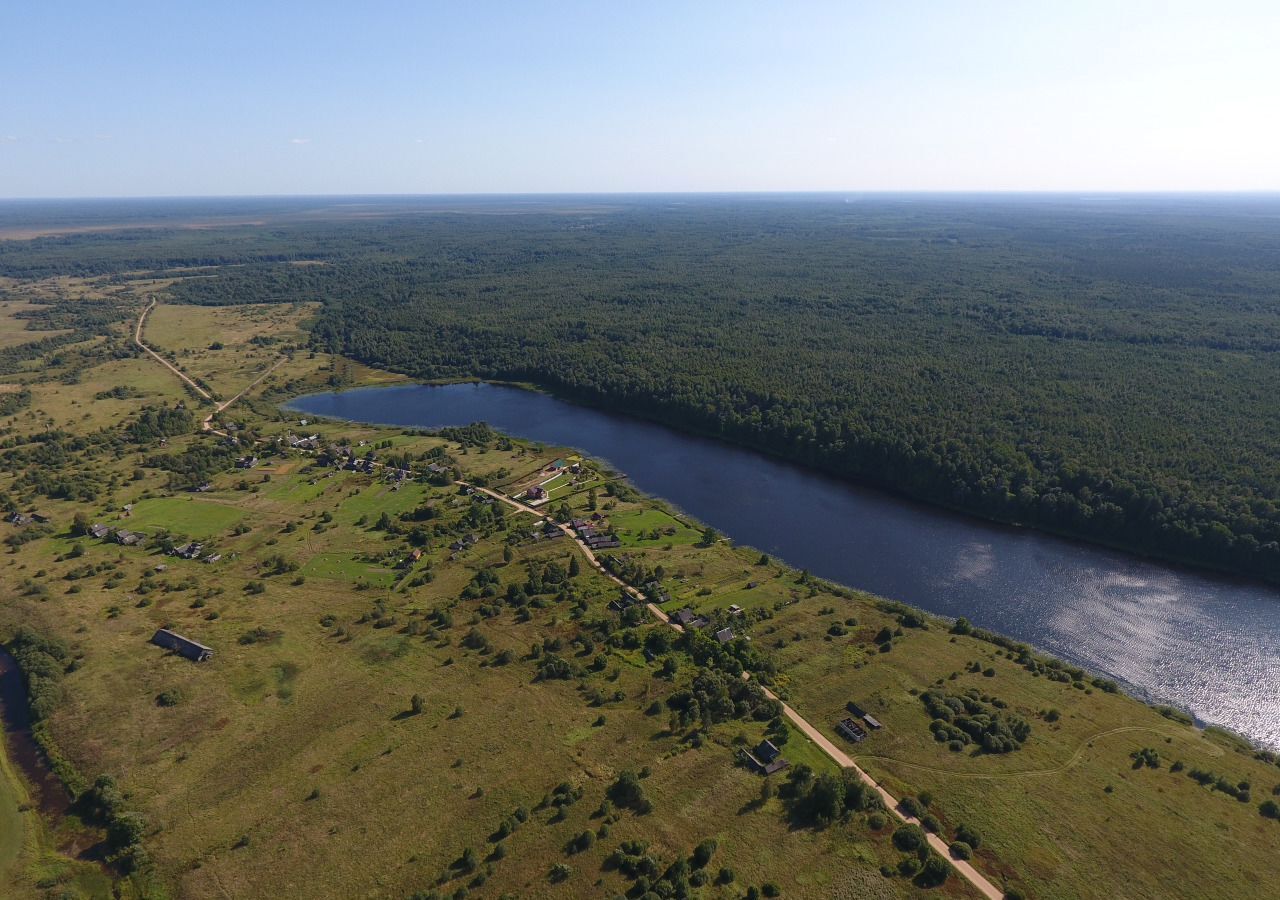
(703, 852)
(968, 835)
(961, 850)
(171, 697)
(908, 838)
(626, 791)
(934, 872)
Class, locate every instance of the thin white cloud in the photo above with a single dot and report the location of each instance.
(8, 139)
(299, 140)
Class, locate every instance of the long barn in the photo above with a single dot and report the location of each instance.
(192, 650)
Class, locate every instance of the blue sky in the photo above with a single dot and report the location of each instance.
(145, 98)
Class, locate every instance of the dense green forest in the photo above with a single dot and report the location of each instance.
(1102, 367)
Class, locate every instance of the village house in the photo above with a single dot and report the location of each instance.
(687, 618)
(535, 493)
(128, 538)
(765, 758)
(20, 519)
(99, 531)
(724, 635)
(192, 650)
(656, 593)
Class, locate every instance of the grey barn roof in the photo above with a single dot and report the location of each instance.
(170, 640)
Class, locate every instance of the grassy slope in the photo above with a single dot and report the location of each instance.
(224, 776)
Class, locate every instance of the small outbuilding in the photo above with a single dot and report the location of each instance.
(192, 650)
(851, 730)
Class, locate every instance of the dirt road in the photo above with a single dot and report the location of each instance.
(838, 756)
(137, 339)
(206, 424)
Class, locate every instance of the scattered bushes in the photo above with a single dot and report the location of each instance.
(974, 717)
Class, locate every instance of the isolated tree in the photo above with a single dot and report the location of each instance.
(574, 567)
(416, 703)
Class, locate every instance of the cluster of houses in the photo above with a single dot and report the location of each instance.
(22, 520)
(589, 534)
(849, 728)
(119, 535)
(547, 531)
(765, 758)
(464, 543)
(687, 619)
(127, 538)
(302, 443)
(194, 550)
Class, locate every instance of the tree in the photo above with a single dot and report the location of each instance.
(935, 871)
(626, 791)
(908, 838)
(826, 798)
(709, 536)
(961, 850)
(80, 523)
(416, 703)
(574, 568)
(507, 553)
(703, 852)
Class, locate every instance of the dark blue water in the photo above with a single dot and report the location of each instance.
(1207, 644)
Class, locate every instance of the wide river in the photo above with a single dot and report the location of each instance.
(1206, 644)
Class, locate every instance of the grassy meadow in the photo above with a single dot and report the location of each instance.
(387, 716)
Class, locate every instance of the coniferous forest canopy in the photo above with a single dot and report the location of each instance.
(1103, 367)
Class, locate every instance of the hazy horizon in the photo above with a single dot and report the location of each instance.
(322, 99)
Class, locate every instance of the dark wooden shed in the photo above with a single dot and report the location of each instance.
(192, 650)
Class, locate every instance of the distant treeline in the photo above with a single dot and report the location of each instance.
(1103, 369)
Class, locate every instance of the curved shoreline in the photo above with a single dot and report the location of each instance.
(1023, 602)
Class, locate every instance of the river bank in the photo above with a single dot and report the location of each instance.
(1157, 629)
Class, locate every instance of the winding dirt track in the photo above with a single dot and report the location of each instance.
(206, 424)
(1034, 773)
(842, 759)
(137, 339)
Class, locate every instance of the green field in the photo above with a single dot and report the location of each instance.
(362, 726)
(196, 518)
